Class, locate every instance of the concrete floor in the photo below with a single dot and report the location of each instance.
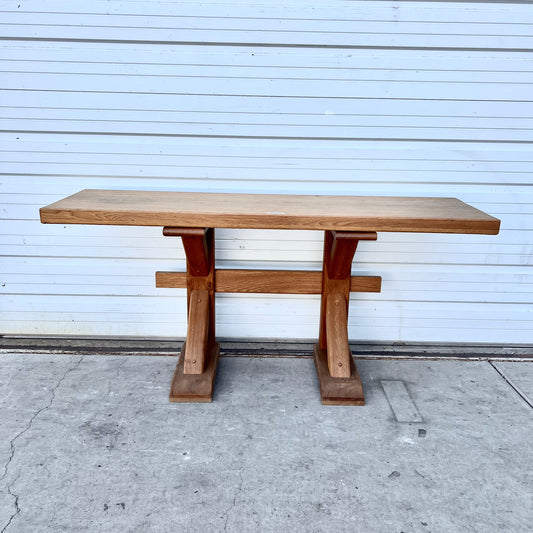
(91, 444)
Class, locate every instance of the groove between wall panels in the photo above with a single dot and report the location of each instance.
(265, 45)
(265, 137)
(288, 97)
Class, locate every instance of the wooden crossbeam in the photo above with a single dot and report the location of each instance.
(267, 281)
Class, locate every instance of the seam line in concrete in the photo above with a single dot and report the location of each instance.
(401, 403)
(512, 385)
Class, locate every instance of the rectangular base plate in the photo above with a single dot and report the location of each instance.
(195, 387)
(337, 391)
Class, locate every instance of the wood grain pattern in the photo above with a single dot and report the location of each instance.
(330, 285)
(195, 387)
(339, 381)
(195, 245)
(255, 211)
(197, 332)
(343, 248)
(338, 350)
(337, 391)
(267, 281)
(200, 253)
(200, 352)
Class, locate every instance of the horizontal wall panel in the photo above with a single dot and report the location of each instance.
(272, 148)
(229, 174)
(360, 161)
(352, 24)
(423, 294)
(133, 120)
(414, 11)
(312, 131)
(266, 87)
(225, 331)
(93, 266)
(410, 286)
(70, 239)
(364, 319)
(277, 62)
(268, 307)
(351, 98)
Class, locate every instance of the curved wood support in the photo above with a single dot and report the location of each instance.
(339, 380)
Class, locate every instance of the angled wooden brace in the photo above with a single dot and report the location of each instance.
(194, 376)
(340, 383)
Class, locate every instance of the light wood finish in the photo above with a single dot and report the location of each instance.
(195, 387)
(267, 281)
(171, 280)
(253, 211)
(337, 391)
(197, 332)
(338, 350)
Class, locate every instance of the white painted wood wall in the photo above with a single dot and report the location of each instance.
(339, 97)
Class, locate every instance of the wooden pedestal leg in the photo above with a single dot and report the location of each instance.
(195, 372)
(339, 380)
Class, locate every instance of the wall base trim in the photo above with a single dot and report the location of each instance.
(263, 348)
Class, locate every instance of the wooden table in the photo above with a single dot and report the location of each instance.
(345, 220)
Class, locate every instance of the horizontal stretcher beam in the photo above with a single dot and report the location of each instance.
(267, 281)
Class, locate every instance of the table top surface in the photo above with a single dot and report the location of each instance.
(269, 211)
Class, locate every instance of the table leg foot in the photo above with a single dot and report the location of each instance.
(337, 391)
(195, 387)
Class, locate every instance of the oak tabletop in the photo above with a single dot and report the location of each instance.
(269, 211)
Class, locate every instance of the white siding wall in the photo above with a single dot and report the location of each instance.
(385, 98)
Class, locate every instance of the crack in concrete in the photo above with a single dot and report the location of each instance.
(234, 503)
(118, 368)
(17, 508)
(25, 430)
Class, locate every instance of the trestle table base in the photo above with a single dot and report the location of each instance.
(195, 373)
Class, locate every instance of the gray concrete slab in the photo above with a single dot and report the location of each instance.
(91, 444)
